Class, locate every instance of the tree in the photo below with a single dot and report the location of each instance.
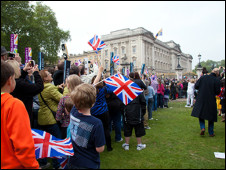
(36, 27)
(210, 64)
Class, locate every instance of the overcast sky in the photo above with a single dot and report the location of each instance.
(199, 27)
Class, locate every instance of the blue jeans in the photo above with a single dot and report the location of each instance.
(210, 126)
(154, 106)
(55, 131)
(149, 103)
(160, 100)
(116, 119)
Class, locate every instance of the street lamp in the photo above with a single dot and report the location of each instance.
(134, 62)
(199, 57)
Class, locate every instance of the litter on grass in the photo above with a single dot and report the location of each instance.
(219, 155)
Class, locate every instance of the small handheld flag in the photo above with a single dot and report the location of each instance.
(115, 59)
(124, 88)
(47, 145)
(96, 43)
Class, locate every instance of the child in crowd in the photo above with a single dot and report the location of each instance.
(68, 103)
(133, 118)
(87, 132)
(17, 144)
(190, 93)
(72, 81)
(166, 96)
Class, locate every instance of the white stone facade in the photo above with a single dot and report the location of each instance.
(140, 47)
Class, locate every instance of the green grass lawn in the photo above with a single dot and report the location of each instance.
(173, 142)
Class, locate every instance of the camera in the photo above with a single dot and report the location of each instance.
(32, 63)
(104, 71)
(63, 46)
(12, 55)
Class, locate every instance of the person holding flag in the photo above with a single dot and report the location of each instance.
(133, 117)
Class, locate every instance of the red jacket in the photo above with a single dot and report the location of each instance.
(17, 144)
(161, 89)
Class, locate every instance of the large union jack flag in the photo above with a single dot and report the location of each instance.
(124, 88)
(96, 43)
(47, 145)
(115, 59)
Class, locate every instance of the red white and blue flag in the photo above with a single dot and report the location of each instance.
(115, 59)
(96, 43)
(62, 161)
(47, 145)
(124, 88)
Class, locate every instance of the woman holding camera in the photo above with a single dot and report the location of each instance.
(48, 100)
(26, 91)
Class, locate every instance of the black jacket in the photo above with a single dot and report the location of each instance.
(205, 106)
(115, 105)
(172, 89)
(134, 111)
(185, 85)
(58, 77)
(25, 91)
(140, 83)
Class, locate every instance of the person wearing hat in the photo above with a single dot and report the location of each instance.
(5, 56)
(205, 107)
(4, 53)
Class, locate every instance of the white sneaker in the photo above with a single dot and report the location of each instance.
(151, 119)
(147, 127)
(141, 146)
(119, 140)
(186, 105)
(125, 146)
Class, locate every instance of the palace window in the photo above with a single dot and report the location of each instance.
(134, 49)
(115, 51)
(123, 50)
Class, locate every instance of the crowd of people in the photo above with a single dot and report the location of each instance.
(86, 110)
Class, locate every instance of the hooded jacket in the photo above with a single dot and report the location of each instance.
(134, 111)
(17, 144)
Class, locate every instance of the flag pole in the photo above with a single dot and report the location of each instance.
(99, 82)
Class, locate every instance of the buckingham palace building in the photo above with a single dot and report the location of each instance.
(139, 46)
